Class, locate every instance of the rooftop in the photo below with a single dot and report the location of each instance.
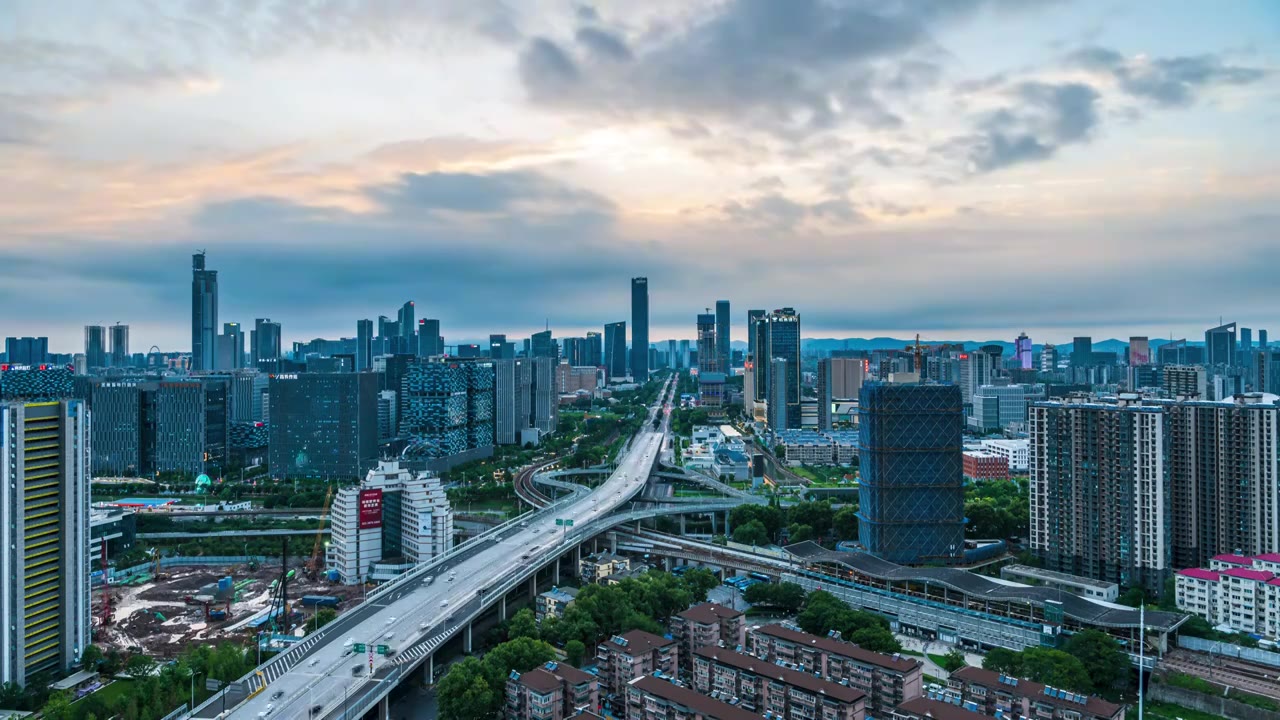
(709, 708)
(708, 613)
(795, 678)
(1027, 688)
(1268, 557)
(1199, 574)
(840, 647)
(1080, 608)
(1035, 572)
(1233, 559)
(539, 681)
(939, 710)
(637, 642)
(561, 594)
(1247, 574)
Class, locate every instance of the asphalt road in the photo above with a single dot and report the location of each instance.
(415, 619)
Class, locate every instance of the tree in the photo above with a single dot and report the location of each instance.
(1133, 597)
(1107, 664)
(800, 533)
(575, 652)
(817, 515)
(780, 451)
(139, 665)
(58, 707)
(1003, 660)
(1056, 668)
(323, 617)
(953, 660)
(785, 596)
(90, 657)
(700, 581)
(752, 533)
(464, 694)
(523, 625)
(876, 639)
(845, 523)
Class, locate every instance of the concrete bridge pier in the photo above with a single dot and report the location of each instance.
(683, 517)
(429, 670)
(613, 542)
(727, 531)
(466, 640)
(384, 707)
(502, 607)
(533, 587)
(713, 524)
(555, 579)
(577, 560)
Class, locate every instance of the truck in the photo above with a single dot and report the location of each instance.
(320, 601)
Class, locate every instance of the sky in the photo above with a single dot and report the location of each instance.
(965, 169)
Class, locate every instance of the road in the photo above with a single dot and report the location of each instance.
(415, 619)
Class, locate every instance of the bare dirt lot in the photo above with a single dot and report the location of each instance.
(156, 618)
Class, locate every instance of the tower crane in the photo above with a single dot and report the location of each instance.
(313, 565)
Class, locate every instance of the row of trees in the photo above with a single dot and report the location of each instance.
(997, 508)
(813, 520)
(824, 612)
(475, 688)
(1090, 662)
(643, 603)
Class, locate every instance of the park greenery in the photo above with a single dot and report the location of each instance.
(786, 597)
(475, 688)
(1089, 662)
(997, 509)
(817, 520)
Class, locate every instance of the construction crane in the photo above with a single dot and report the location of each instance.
(278, 611)
(918, 351)
(313, 565)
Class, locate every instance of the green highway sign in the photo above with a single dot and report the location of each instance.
(568, 523)
(383, 649)
(359, 647)
(559, 522)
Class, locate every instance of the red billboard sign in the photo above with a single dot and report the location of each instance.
(370, 509)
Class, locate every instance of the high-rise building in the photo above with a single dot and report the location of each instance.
(364, 345)
(430, 341)
(640, 329)
(264, 344)
(839, 378)
(753, 316)
(1100, 492)
(1262, 339)
(593, 354)
(323, 424)
(26, 350)
(204, 313)
(1224, 474)
(544, 408)
(447, 406)
(95, 346)
(190, 426)
(1139, 351)
(394, 515)
(500, 349)
(119, 418)
(230, 348)
(506, 429)
(1220, 345)
(778, 336)
(44, 478)
(776, 397)
(722, 336)
(575, 350)
(406, 325)
(543, 345)
(911, 497)
(1188, 381)
(120, 346)
(710, 372)
(1081, 352)
(978, 367)
(1022, 351)
(1048, 358)
(615, 350)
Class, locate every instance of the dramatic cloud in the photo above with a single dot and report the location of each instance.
(1171, 82)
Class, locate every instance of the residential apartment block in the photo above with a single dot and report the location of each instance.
(1241, 592)
(660, 697)
(994, 693)
(774, 690)
(708, 624)
(595, 568)
(554, 602)
(886, 680)
(923, 708)
(624, 658)
(555, 691)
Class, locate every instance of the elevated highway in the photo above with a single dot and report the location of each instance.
(414, 614)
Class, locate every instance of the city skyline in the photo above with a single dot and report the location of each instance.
(1079, 156)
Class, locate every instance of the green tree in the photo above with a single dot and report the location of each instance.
(953, 660)
(1056, 668)
(523, 624)
(1103, 659)
(800, 533)
(12, 696)
(464, 694)
(1133, 597)
(817, 515)
(1003, 660)
(90, 657)
(845, 523)
(58, 707)
(876, 639)
(752, 533)
(575, 652)
(139, 665)
(700, 581)
(323, 617)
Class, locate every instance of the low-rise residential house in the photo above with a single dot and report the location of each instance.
(708, 624)
(623, 658)
(773, 690)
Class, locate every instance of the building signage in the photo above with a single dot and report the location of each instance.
(370, 509)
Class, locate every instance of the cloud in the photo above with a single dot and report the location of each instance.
(1038, 119)
(783, 67)
(526, 192)
(1168, 82)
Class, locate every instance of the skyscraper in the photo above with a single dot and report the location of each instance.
(95, 346)
(264, 343)
(543, 344)
(1220, 345)
(430, 342)
(753, 316)
(710, 373)
(1082, 352)
(364, 345)
(119, 345)
(911, 497)
(722, 335)
(204, 313)
(323, 424)
(447, 406)
(191, 425)
(1262, 339)
(640, 329)
(615, 350)
(1139, 351)
(500, 349)
(839, 378)
(779, 337)
(776, 398)
(230, 348)
(594, 349)
(44, 478)
(1021, 351)
(1049, 358)
(26, 350)
(1100, 493)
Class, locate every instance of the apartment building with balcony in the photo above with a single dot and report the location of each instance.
(555, 691)
(887, 680)
(923, 708)
(997, 694)
(623, 658)
(662, 697)
(774, 690)
(596, 567)
(554, 602)
(708, 624)
(1240, 592)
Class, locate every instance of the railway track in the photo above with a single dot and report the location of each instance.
(1250, 678)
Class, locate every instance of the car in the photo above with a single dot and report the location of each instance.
(391, 620)
(388, 636)
(314, 662)
(444, 603)
(277, 695)
(450, 618)
(357, 669)
(315, 710)
(429, 579)
(449, 579)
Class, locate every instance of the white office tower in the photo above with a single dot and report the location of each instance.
(44, 537)
(395, 519)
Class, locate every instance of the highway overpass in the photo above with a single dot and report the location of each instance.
(418, 612)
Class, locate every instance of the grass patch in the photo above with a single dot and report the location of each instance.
(1169, 711)
(912, 653)
(939, 660)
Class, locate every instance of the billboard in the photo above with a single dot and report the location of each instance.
(370, 509)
